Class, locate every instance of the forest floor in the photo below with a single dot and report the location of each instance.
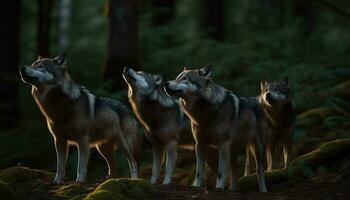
(320, 174)
(315, 188)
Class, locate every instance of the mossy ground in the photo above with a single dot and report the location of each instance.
(122, 189)
(325, 170)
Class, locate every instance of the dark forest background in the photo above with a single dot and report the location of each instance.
(307, 40)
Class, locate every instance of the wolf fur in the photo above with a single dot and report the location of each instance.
(165, 124)
(278, 105)
(221, 119)
(76, 116)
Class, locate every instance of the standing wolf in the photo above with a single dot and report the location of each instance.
(165, 123)
(277, 103)
(75, 116)
(220, 118)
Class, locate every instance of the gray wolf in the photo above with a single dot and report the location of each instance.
(221, 119)
(165, 123)
(278, 106)
(76, 116)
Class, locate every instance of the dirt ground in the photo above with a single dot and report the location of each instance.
(317, 188)
(310, 189)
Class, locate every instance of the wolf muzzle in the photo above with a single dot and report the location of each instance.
(269, 98)
(126, 73)
(24, 75)
(170, 90)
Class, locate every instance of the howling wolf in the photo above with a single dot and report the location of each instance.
(221, 119)
(76, 116)
(164, 121)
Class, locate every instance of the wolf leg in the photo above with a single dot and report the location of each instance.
(258, 153)
(286, 149)
(83, 158)
(133, 165)
(129, 151)
(234, 169)
(158, 152)
(201, 154)
(269, 158)
(61, 152)
(224, 158)
(171, 157)
(107, 152)
(247, 162)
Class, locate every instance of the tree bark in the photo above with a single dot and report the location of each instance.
(212, 18)
(164, 11)
(9, 36)
(64, 21)
(123, 46)
(304, 10)
(44, 18)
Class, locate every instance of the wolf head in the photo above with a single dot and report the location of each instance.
(275, 93)
(196, 82)
(45, 71)
(141, 82)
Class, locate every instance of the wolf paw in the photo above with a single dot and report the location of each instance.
(58, 180)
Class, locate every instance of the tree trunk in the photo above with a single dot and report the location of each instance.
(64, 20)
(123, 46)
(164, 11)
(303, 9)
(9, 36)
(45, 7)
(212, 18)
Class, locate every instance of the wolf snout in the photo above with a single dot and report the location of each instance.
(166, 84)
(126, 69)
(22, 70)
(269, 97)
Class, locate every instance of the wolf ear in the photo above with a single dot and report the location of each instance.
(285, 81)
(158, 78)
(206, 71)
(262, 84)
(61, 59)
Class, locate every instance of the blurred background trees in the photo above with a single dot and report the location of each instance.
(9, 37)
(307, 40)
(123, 41)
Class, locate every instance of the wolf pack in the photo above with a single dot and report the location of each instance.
(191, 110)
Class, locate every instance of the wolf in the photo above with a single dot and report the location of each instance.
(165, 123)
(279, 108)
(221, 119)
(76, 116)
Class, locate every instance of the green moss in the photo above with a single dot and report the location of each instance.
(274, 177)
(341, 90)
(315, 117)
(121, 189)
(5, 191)
(321, 160)
(22, 174)
(71, 191)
